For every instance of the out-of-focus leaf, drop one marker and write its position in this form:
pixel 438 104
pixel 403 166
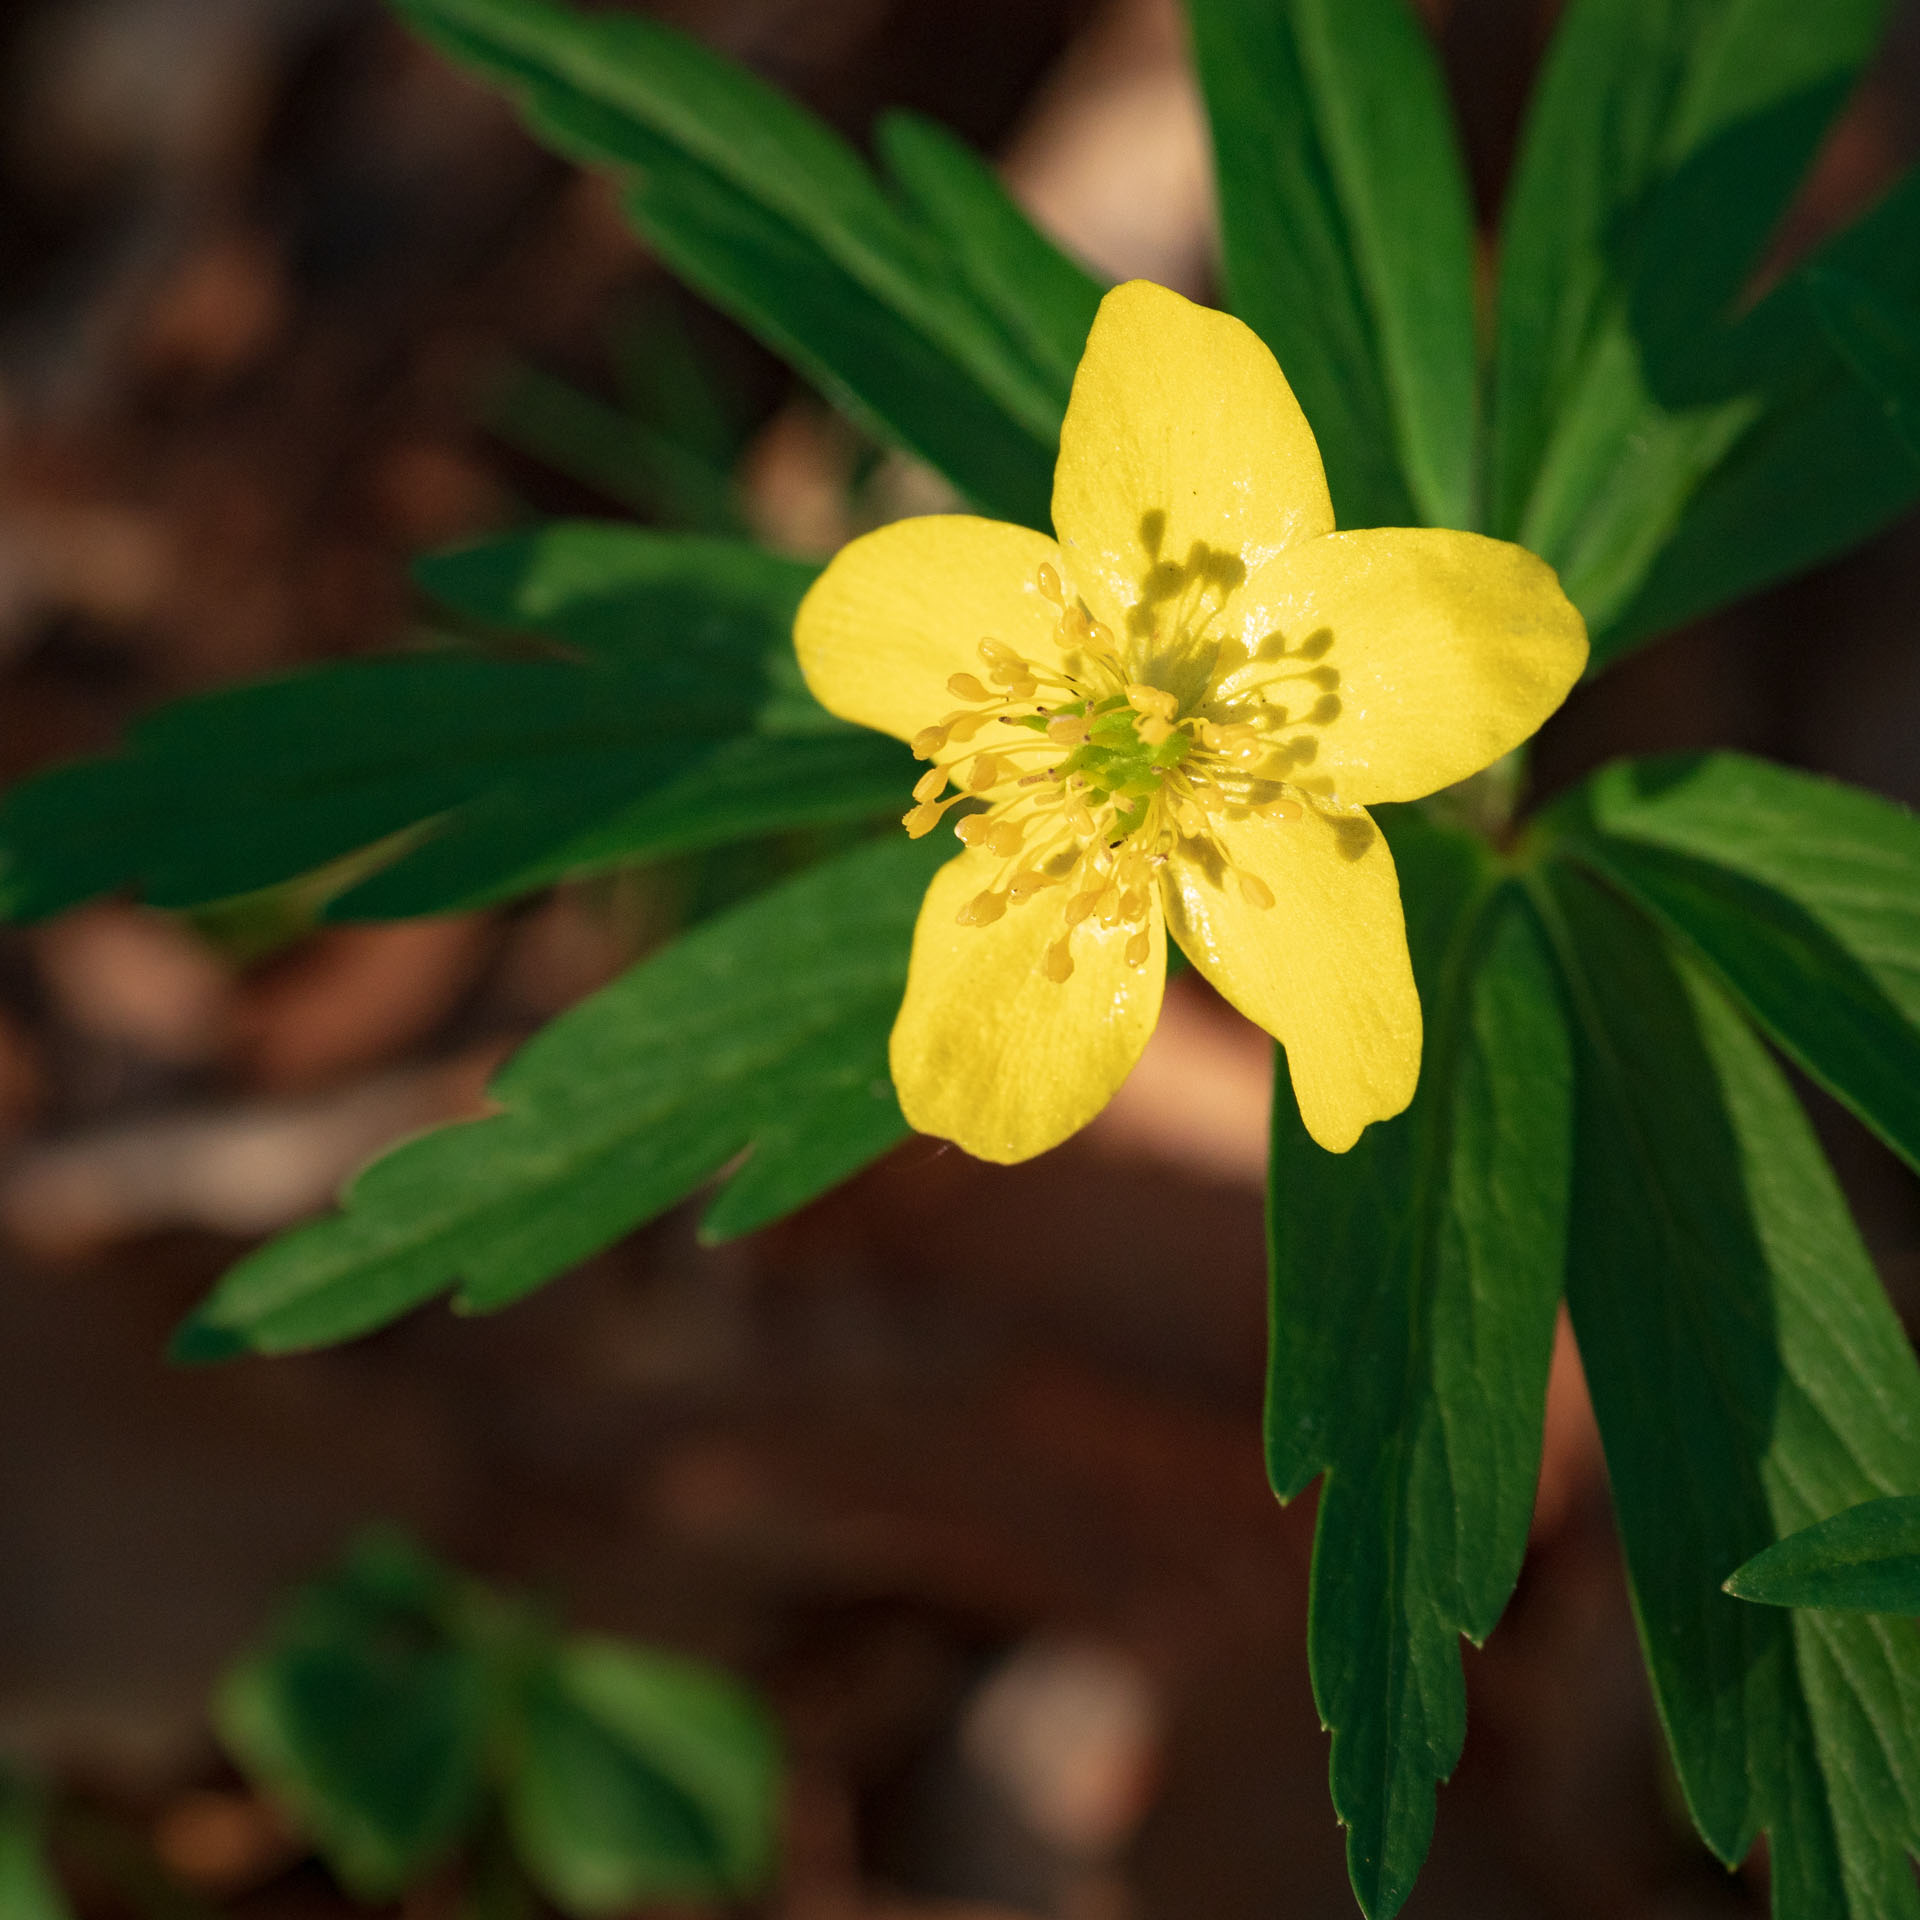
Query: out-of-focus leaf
pixel 1349 240
pixel 1878 336
pixel 1663 143
pixel 762 1032
pixel 1823 465
pixel 1865 1560
pixel 1801 894
pixel 768 213
pixel 366 1718
pixel 670 715
pixel 641 1778
pixel 1748 1377
pixel 1415 1282
pixel 28 1890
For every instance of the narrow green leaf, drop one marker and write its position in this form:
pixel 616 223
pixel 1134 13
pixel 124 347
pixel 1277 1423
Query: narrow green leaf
pixel 1434 1250
pixel 1801 894
pixel 1664 141
pixel 1823 465
pixel 28 1890
pixel 365 1718
pixel 641 1778
pixel 670 715
pixel 1865 1560
pixel 1749 1377
pixel 768 213
pixel 1045 300
pixel 763 1031
pixel 1349 240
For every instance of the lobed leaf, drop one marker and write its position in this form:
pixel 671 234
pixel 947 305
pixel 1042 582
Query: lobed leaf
pixel 1415 1282
pixel 1866 1559
pixel 762 1032
pixel 1348 239
pixel 769 214
pixel 1663 143
pixel 1748 1376
pixel 674 717
pixel 1802 895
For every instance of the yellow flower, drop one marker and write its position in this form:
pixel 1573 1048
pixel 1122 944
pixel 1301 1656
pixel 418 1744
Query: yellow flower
pixel 1175 716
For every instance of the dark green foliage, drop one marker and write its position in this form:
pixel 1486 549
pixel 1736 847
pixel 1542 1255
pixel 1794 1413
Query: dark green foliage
pixel 1803 895
pixel 1415 1283
pixel 667 715
pixel 28 1890
pixel 1349 242
pixel 765 1028
pixel 772 217
pixel 1749 1377
pixel 1865 1560
pixel 399 1711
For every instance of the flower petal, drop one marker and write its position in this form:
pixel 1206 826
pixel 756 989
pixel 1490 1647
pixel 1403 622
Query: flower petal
pixel 1181 430
pixel 1324 969
pixel 990 1053
pixel 1429 654
pixel 900 609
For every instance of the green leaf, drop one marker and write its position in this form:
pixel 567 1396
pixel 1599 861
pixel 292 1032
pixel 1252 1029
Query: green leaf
pixel 1801 894
pixel 1043 299
pixel 1864 1560
pixel 769 214
pixel 1664 141
pixel 1348 237
pixel 1822 467
pixel 1749 1377
pixel 1415 1283
pixel 673 718
pixel 365 1717
pixel 1878 336
pixel 28 1890
pixel 641 1778
pixel 763 1031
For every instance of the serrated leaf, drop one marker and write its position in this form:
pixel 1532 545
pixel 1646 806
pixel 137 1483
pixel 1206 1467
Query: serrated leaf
pixel 1749 1377
pixel 1348 240
pixel 671 716
pixel 763 1031
pixel 773 217
pixel 1664 141
pixel 1415 1283
pixel 1866 1560
pixel 365 1718
pixel 641 1778
pixel 1803 895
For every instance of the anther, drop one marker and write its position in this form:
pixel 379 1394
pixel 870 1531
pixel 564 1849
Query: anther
pixel 963 686
pixel 997 654
pixel 1048 581
pixel 1133 906
pixel 1255 891
pixel 1151 700
pixel 1069 729
pixel 1138 947
pixel 1080 906
pixel 1003 838
pixel 922 820
pixel 927 742
pixel 970 829
pixel 982 910
pixel 1058 965
pixel 986 770
pixel 930 784
pixel 1281 809
pixel 1026 883
pixel 965 725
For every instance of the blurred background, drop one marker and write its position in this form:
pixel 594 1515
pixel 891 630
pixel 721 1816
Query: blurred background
pixel 962 1466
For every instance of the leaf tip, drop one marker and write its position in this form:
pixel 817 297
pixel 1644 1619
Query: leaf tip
pixel 200 1342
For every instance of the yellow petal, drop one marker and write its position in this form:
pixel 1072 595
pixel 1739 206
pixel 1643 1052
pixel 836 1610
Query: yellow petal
pixel 1182 443
pixel 1425 654
pixel 990 1053
pixel 1324 969
pixel 900 609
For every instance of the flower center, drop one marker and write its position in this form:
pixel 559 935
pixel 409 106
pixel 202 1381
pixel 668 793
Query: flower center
pixel 1092 780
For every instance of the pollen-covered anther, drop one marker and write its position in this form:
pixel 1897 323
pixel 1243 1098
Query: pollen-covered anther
pixel 922 820
pixel 931 784
pixel 927 742
pixel 986 772
pixel 963 686
pixel 982 910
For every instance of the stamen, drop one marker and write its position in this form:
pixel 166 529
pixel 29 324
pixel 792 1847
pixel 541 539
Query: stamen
pixel 1026 883
pixel 1138 947
pixel 986 773
pixel 1133 906
pixel 1070 729
pixel 923 819
pixel 982 910
pixel 930 784
pixel 927 742
pixel 1048 581
pixel 1003 838
pixel 1080 906
pixel 1254 890
pixel 1058 965
pixel 963 686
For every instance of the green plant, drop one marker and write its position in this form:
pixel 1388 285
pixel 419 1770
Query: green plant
pixel 1601 1113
